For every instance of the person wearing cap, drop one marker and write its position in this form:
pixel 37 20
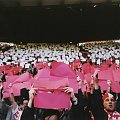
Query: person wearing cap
pixel 103 107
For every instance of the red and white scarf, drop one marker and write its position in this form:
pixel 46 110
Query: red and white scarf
pixel 114 116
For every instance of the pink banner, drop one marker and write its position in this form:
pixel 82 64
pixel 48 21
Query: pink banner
pixel 86 68
pixel 18 86
pixel 6 94
pixel 6 71
pixel 115 87
pixel 6 85
pixel 105 75
pixel 48 84
pixel 116 75
pixel 61 69
pixel 2 68
pixel 10 74
pixel 93 67
pixel 7 67
pixel 6 89
pixel 55 83
pixel 73 84
pixel 43 73
pixel 103 85
pixel 88 77
pixel 54 78
pixel 104 66
pixel 15 88
pixel 52 100
pixel 113 66
pixel 11 79
pixel 23 78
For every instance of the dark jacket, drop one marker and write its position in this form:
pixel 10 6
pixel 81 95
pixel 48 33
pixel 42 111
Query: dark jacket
pixel 81 110
pixel 97 106
pixel 4 111
pixel 118 103
pixel 28 114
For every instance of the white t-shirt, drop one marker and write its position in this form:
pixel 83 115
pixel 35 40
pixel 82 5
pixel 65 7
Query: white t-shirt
pixel 17 113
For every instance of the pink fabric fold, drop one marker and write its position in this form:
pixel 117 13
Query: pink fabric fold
pixel 43 73
pixel 61 69
pixel 23 78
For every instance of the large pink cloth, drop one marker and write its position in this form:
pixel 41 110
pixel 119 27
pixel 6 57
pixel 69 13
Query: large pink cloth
pixel 104 66
pixel 61 69
pixel 115 86
pixel 52 100
pixel 116 75
pixel 50 90
pixel 23 78
pixel 103 85
pixel 86 68
pixel 88 77
pixel 43 73
pixel 15 88
pixel 105 75
pixel 46 84
pixel 73 84
pixel 12 78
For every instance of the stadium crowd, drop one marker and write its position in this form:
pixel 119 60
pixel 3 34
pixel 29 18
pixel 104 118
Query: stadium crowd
pixel 60 81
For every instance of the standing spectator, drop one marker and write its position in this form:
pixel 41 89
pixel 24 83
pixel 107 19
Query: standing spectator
pixel 104 107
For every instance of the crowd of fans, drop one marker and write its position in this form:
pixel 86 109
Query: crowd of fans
pixel 89 74
pixel 66 53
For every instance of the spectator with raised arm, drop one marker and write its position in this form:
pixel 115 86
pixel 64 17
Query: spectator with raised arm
pixel 80 107
pixel 103 107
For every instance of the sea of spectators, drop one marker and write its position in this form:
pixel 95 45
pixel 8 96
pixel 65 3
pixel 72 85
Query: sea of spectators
pixel 90 87
pixel 96 52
